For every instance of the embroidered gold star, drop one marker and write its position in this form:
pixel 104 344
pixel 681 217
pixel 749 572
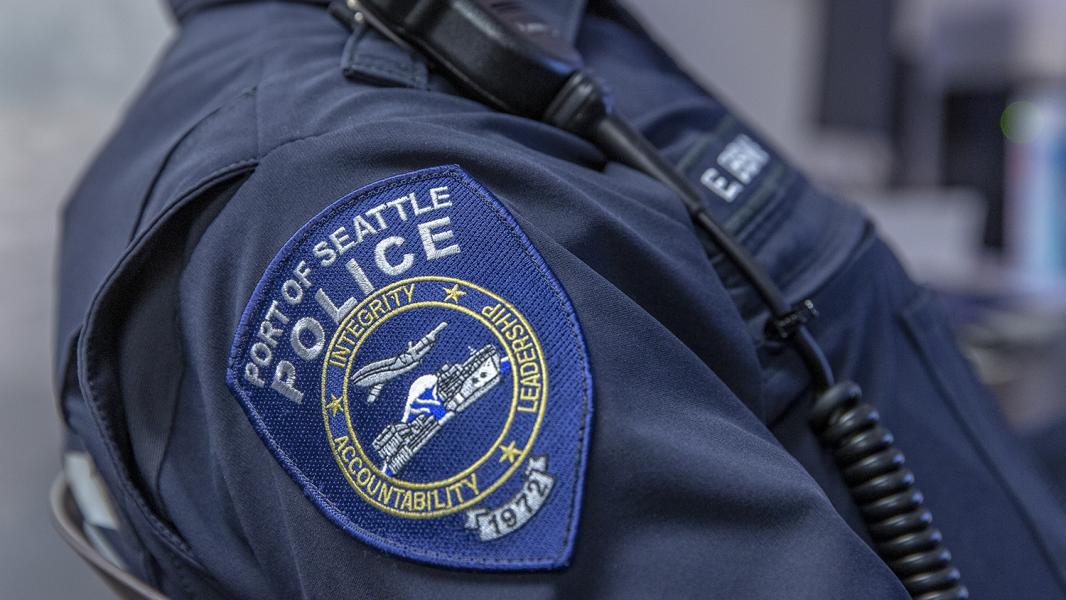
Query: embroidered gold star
pixel 509 452
pixel 335 405
pixel 453 293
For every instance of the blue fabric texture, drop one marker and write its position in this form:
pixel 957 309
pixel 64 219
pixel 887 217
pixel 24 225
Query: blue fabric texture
pixel 414 365
pixel 702 477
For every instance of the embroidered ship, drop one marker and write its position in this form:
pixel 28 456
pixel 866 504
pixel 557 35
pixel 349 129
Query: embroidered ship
pixel 433 401
pixel 461 385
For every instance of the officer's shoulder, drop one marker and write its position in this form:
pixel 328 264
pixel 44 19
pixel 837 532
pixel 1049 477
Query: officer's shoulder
pixel 320 136
pixel 233 106
pixel 324 126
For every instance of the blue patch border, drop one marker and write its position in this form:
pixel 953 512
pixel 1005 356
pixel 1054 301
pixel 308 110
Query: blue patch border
pixel 311 491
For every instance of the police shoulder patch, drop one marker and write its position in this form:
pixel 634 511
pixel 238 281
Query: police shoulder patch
pixel 414 365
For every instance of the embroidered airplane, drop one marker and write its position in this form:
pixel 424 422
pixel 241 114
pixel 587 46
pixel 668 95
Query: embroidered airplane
pixel 376 374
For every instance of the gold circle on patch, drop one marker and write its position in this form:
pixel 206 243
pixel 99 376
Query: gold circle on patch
pixel 378 480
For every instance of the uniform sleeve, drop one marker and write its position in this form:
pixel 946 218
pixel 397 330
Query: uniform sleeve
pixel 685 490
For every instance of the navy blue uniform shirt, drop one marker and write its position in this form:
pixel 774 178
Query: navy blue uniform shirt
pixel 701 477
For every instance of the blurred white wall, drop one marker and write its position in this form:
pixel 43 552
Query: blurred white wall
pixel 763 57
pixel 760 56
pixel 66 69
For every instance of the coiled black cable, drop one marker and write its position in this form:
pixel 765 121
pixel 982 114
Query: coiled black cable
pixel 883 488
pixel 872 467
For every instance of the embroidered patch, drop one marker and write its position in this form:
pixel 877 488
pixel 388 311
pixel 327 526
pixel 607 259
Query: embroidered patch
pixel 413 364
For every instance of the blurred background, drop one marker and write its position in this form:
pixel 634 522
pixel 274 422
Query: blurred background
pixel 945 119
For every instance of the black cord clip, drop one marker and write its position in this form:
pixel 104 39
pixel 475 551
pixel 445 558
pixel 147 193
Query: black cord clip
pixel 785 326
